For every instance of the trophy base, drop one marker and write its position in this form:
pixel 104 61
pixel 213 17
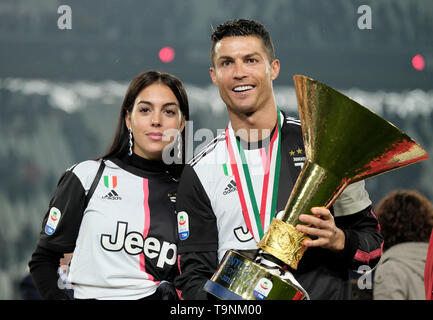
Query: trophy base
pixel 239 278
pixel 221 292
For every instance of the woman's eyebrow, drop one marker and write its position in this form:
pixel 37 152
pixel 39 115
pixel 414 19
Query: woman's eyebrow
pixel 167 104
pixel 145 102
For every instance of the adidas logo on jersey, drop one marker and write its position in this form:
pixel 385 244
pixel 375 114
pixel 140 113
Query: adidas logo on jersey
pixel 112 195
pixel 230 187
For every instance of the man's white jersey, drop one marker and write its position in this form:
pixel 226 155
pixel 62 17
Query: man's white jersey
pixel 212 193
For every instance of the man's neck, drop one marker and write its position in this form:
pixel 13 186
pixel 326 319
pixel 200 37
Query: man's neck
pixel 255 126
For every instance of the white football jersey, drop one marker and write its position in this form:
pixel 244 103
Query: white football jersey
pixel 124 243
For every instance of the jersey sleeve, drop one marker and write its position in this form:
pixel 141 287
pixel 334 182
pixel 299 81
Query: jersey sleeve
pixel 195 268
pixel 193 203
pixel 197 259
pixel 353 199
pixel 63 218
pixel 363 244
pixel 355 217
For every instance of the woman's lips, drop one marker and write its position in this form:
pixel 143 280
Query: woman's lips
pixel 155 135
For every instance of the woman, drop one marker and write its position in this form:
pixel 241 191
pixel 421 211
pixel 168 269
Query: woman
pixel 124 237
pixel 406 220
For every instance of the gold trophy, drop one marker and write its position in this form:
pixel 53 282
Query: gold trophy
pixel 344 143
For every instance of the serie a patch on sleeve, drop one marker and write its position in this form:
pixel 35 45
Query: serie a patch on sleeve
pixel 183 225
pixel 53 221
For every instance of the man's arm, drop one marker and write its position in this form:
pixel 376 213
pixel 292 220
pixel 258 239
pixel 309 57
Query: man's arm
pixel 355 239
pixel 197 258
pixel 364 241
pixel 354 236
pixel 195 269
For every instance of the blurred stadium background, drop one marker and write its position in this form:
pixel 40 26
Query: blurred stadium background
pixel 60 90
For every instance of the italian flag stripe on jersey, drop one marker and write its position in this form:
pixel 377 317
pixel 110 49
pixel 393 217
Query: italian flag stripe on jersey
pixel 227 169
pixel 110 181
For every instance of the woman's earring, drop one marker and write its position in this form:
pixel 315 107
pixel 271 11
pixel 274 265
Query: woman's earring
pixel 130 142
pixel 179 146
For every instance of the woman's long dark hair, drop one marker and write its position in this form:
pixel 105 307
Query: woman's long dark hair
pixel 119 146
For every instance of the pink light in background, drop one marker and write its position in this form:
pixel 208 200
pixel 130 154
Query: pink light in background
pixel 418 62
pixel 166 54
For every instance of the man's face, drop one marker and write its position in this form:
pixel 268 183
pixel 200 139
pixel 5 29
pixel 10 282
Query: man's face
pixel 244 74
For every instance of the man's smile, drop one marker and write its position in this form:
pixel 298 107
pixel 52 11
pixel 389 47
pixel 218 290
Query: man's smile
pixel 242 88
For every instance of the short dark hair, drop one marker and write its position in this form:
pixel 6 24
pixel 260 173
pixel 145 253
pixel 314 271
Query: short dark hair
pixel 243 28
pixel 119 146
pixel 404 216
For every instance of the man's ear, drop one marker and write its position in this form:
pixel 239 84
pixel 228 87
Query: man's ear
pixel 275 69
pixel 212 73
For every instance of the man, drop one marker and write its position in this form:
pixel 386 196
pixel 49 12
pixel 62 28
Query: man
pixel 218 199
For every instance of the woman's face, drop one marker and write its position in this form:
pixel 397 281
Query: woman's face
pixel 154 120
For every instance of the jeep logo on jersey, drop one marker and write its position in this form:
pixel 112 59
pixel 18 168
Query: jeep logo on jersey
pixel 110 182
pixel 134 243
pixel 243 235
pixel 52 221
